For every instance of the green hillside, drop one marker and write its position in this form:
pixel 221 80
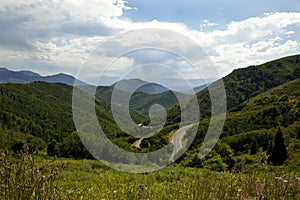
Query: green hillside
pixel 243 84
pixel 261 99
pixel 249 132
pixel 38 107
pixel 140 101
pixel 42 113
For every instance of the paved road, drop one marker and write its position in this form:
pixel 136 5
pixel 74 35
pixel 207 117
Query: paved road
pixel 177 140
pixel 138 143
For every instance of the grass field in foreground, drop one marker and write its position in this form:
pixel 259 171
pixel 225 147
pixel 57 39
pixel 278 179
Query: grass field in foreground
pixel 89 179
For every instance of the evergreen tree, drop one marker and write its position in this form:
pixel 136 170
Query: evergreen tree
pixel 279 153
pixel 298 134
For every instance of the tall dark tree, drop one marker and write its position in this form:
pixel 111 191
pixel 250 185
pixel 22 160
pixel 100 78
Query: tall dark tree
pixel 298 134
pixel 279 153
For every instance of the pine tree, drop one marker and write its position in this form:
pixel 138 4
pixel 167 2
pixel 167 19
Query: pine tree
pixel 279 153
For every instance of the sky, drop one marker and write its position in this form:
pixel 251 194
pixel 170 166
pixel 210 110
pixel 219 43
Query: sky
pixel 54 36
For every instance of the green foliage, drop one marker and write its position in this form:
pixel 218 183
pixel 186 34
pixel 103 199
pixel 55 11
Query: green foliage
pixel 37 108
pixel 243 84
pixel 255 122
pixel 18 141
pixel 279 153
pixel 88 180
pixel 71 146
pixel 216 163
pixel 39 113
pixel 220 158
pixel 23 178
pixel 159 140
pixel 192 159
pixel 140 102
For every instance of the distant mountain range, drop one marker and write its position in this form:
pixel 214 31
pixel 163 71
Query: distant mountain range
pixel 8 76
pixel 129 85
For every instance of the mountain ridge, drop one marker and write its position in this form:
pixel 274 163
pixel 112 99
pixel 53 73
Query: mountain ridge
pixel 138 85
pixel 26 76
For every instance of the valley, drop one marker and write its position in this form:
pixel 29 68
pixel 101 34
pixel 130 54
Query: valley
pixel 262 120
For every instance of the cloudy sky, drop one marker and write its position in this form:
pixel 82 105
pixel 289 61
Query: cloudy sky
pixel 53 36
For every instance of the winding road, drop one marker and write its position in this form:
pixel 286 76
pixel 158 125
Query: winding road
pixel 138 143
pixel 176 140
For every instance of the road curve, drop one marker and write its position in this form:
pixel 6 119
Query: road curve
pixel 176 140
pixel 138 143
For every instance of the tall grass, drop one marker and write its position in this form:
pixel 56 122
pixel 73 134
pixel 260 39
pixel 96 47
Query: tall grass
pixel 86 180
pixel 23 178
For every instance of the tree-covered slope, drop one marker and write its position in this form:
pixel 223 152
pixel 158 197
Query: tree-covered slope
pixel 46 106
pixel 243 84
pixel 260 100
pixel 249 133
pixel 44 111
pixel 140 101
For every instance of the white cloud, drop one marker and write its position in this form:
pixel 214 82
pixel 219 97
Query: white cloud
pixel 45 19
pixel 251 41
pixel 63 33
pixel 206 23
pixel 242 43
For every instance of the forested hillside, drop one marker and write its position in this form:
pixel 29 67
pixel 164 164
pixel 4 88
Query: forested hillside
pixel 140 101
pixel 263 118
pixel 263 102
pixel 242 84
pixel 248 136
pixel 43 112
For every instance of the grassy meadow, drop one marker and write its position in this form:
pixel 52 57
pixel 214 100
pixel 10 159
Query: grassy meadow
pixel 39 177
